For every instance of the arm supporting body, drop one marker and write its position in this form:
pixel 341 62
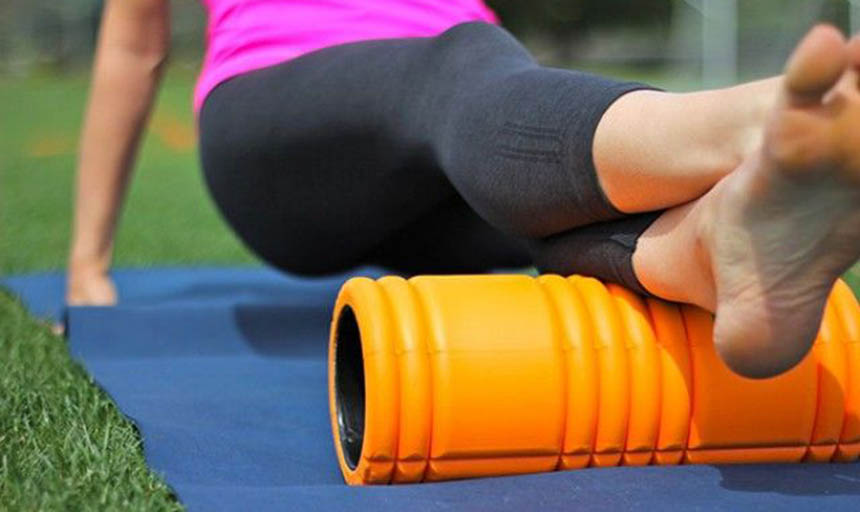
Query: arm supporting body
pixel 132 48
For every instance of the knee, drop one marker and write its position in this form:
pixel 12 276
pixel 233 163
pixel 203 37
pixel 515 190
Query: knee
pixel 475 43
pixel 472 32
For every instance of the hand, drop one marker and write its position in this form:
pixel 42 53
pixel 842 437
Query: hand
pixel 90 287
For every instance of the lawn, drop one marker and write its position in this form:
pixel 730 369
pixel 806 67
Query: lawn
pixel 63 444
pixel 39 121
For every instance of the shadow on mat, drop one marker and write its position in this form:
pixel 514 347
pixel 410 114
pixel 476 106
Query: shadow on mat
pixel 277 331
pixel 799 480
pixel 272 294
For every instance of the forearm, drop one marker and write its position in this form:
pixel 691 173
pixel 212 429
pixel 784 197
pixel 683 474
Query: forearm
pixel 126 73
pixel 121 96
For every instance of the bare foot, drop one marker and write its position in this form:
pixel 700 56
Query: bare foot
pixel 781 229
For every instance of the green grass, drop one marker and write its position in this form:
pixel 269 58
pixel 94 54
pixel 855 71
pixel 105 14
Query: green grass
pixel 63 444
pixel 39 121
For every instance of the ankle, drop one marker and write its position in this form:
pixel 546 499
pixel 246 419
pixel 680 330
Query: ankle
pixel 752 104
pixel 672 260
pixel 704 221
pixel 737 116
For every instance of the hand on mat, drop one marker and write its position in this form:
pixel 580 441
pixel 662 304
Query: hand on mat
pixel 87 287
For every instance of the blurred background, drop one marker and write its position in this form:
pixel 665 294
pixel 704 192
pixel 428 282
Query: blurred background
pixel 46 48
pixel 710 40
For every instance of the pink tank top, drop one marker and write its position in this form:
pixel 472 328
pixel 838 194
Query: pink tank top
pixel 244 35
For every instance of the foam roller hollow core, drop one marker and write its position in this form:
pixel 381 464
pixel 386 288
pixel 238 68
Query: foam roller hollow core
pixel 445 377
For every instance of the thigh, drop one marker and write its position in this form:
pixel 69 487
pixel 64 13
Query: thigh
pixel 451 239
pixel 318 161
pixel 303 167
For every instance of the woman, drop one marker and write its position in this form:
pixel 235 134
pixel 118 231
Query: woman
pixel 418 135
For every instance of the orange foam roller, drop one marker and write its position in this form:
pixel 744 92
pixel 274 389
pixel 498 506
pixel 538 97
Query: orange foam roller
pixel 444 377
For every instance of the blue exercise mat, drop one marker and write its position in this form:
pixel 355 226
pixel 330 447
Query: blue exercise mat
pixel 223 371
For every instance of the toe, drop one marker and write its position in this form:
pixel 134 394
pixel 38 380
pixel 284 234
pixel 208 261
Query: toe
pixel 816 65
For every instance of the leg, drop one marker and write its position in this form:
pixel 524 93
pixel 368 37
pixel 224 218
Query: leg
pixel 763 248
pixel 653 150
pixel 318 161
pixel 539 151
pixel 603 250
pixel 452 239
pixel 332 159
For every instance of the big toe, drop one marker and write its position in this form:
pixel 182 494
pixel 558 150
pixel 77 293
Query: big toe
pixel 817 64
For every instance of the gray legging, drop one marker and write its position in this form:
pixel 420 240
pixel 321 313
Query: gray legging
pixel 456 153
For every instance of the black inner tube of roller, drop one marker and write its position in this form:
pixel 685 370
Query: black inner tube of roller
pixel 349 386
